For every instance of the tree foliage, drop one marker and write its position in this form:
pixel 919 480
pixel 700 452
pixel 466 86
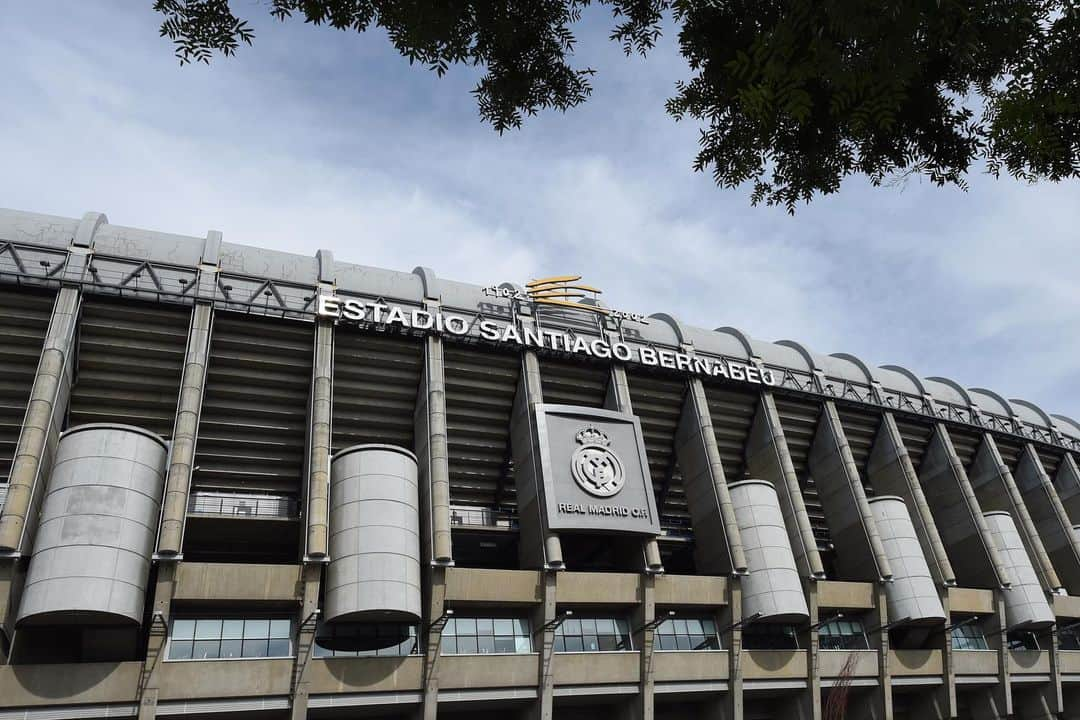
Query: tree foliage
pixel 792 95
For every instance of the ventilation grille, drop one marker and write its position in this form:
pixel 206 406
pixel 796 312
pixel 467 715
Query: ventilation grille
pixel 916 436
pixel 1051 460
pixel 799 418
pixel 1010 452
pixel 253 429
pixel 860 429
pixel 658 401
pixel 574 383
pixel 24 320
pixel 732 416
pixel 131 357
pixel 480 389
pixel 966 444
pixel 375 384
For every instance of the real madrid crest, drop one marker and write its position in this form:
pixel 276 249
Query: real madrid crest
pixel 595 466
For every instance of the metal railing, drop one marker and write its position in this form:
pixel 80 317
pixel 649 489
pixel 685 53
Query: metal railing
pixel 482 517
pixel 244 506
pixel 3 495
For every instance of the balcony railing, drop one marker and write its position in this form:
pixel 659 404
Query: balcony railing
pixel 243 506
pixel 482 517
pixel 3 495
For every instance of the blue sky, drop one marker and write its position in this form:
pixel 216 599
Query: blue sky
pixel 319 139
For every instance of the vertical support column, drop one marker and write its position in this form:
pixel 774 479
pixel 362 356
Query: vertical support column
pixel 319 429
pixel 618 398
pixel 963 527
pixel 733 707
pixel 1067 483
pixel 433 455
pixel 889 470
pixel 432 634
pixel 41 425
pixel 813 653
pixel 185 432
pixel 718 546
pixel 999 701
pixel 539 547
pixel 305 639
pixel 844 500
pixel 644 616
pixel 1050 518
pixel 157 634
pixel 544 642
pixel 997 490
pixel 768 458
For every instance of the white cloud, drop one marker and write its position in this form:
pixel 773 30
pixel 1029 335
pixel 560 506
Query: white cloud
pixel 319 139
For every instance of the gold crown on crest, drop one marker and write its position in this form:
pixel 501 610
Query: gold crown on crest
pixel 592 436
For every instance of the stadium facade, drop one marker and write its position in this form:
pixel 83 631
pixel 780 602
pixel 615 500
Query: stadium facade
pixel 248 484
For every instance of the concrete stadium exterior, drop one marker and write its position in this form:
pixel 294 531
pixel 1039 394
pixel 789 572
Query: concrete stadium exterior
pixel 243 483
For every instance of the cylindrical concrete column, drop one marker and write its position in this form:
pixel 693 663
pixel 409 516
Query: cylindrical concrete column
pixel 185 431
pixel 319 442
pixel 52 383
pixel 374 571
pixel 912 593
pixel 773 589
pixel 92 550
pixel 1026 606
pixel 438 452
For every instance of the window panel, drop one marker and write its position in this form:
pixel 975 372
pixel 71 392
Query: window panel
pixel 228 638
pixel 592 635
pixel 181 650
pixel 486 635
pixel 280 628
pixel 686 634
pixel 208 629
pixel 183 630
pixel 233 629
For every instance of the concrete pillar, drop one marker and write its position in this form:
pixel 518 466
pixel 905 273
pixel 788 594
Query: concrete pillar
pixel 319 430
pixel 538 546
pixel 959 515
pixel 890 471
pixel 41 425
pixel 1067 482
pixel 718 546
pixel 157 634
pixel 185 432
pixel 813 654
pixel 768 458
pixel 433 456
pixel 999 702
pixel 544 645
pixel 1051 520
pixel 618 398
pixel 996 489
pixel 644 614
pixel 733 706
pixel 433 646
pixel 862 555
pixel 307 623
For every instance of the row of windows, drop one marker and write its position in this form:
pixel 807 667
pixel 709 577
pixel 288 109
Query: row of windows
pixel 225 638
pixel 269 637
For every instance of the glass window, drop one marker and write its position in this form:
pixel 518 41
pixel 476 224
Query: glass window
pixel 769 636
pixel 1022 640
pixel 484 636
pixel 843 634
pixel 593 635
pixel 969 636
pixel 227 638
pixel 686 634
pixel 364 640
pixel 1069 639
